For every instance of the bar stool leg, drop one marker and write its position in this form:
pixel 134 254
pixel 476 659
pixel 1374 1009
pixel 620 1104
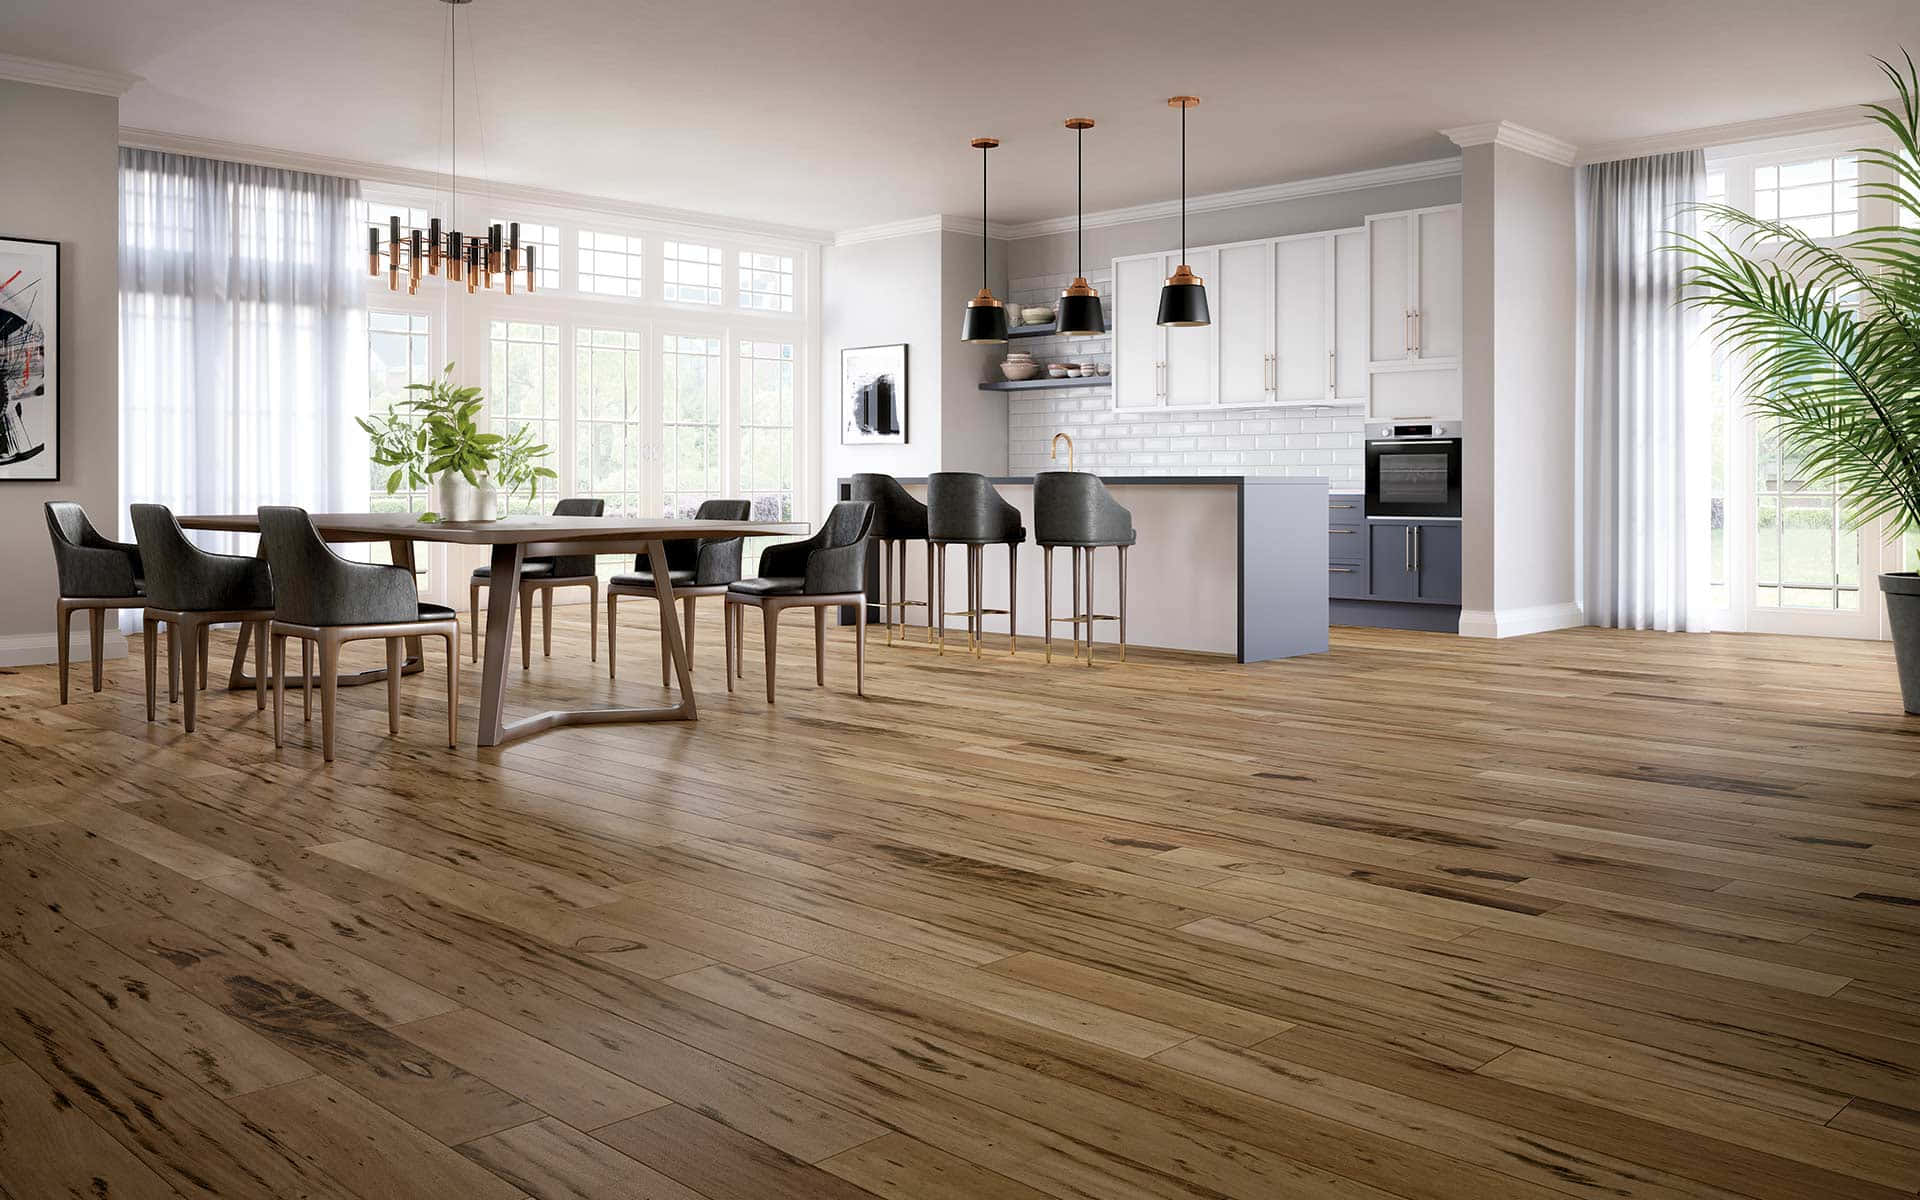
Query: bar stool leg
pixel 1046 599
pixel 1013 599
pixel 886 586
pixel 1090 608
pixel 938 593
pixel 1123 604
pixel 977 629
pixel 903 585
pixel 1076 603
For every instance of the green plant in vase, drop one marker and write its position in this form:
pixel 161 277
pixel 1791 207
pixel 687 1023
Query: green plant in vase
pixel 434 437
pixel 1827 334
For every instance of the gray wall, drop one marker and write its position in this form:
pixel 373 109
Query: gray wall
pixel 60 152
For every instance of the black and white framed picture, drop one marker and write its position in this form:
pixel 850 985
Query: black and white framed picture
pixel 873 395
pixel 29 359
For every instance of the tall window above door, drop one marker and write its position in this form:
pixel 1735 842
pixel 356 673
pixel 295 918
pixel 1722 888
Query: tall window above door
pixel 610 264
pixel 609 418
pixel 691 402
pixel 1818 196
pixel 766 282
pixel 397 355
pixel 765 472
pixel 690 272
pixel 523 387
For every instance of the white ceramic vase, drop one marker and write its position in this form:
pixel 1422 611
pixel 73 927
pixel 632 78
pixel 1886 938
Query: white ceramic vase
pixel 457 500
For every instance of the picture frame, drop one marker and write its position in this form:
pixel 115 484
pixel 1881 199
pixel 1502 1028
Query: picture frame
pixel 873 395
pixel 29 360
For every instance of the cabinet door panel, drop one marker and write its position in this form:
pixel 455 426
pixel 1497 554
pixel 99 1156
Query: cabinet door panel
pixel 1139 345
pixel 1437 557
pixel 1189 378
pixel 1301 270
pixel 1241 298
pixel 1391 556
pixel 1350 315
pixel 1437 332
pixel 1389 275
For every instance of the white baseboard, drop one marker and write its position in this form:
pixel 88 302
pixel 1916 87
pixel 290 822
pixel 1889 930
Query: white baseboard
pixel 1517 622
pixel 33 649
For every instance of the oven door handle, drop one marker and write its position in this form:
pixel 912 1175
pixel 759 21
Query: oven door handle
pixel 1414 442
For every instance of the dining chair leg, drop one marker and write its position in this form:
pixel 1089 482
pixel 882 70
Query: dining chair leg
pixel 96 634
pixel 1046 600
pixel 860 653
pixel 769 627
pixel 526 628
pixel 593 620
pixel 279 689
pixel 63 617
pixel 204 641
pixel 190 694
pixel 1123 604
pixel 613 629
pixel 727 619
pixel 329 693
pixel 1013 599
pixel 393 686
pixel 1090 608
pixel 546 622
pixel 261 633
pixel 666 659
pixel 740 640
pixel 473 615
pixel 453 688
pixel 149 636
pixel 306 681
pixel 688 607
pixel 820 644
pixel 173 662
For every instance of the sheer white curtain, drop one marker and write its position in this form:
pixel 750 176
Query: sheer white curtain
pixel 1645 462
pixel 239 311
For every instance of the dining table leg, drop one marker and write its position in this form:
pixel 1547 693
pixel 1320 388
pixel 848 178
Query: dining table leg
pixel 503 592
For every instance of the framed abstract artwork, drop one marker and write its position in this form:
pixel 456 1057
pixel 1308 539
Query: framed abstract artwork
pixel 29 359
pixel 873 395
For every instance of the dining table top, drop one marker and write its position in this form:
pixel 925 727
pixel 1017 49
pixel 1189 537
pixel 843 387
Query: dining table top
pixel 505 531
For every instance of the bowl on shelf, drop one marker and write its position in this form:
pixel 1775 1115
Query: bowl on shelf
pixel 1056 370
pixel 1019 366
pixel 1103 368
pixel 1036 315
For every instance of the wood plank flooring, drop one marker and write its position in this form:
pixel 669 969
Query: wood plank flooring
pixel 1583 914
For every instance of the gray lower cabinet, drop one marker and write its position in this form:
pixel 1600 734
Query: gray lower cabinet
pixel 1436 562
pixel 1390 555
pixel 1409 562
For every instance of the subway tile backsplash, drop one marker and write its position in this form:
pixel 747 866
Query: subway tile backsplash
pixel 1248 441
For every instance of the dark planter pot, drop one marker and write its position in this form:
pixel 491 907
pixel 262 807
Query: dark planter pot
pixel 1902 589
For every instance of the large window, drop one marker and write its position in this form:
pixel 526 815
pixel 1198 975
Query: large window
pixel 691 403
pixel 766 281
pixel 1818 196
pixel 691 273
pixel 523 386
pixel 765 474
pixel 610 264
pixel 609 418
pixel 545 240
pixel 398 346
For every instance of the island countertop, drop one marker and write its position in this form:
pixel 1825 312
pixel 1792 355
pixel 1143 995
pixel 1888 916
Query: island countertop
pixel 1223 564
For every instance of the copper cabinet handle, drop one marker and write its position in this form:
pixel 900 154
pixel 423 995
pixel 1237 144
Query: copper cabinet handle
pixel 1416 331
pixel 1330 383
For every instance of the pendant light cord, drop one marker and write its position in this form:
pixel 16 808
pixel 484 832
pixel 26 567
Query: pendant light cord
pixel 1183 183
pixel 1079 199
pixel 453 55
pixel 985 244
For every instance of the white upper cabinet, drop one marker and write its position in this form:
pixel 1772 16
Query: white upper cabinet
pixel 1139 345
pixel 1240 296
pixel 1414 278
pixel 1350 315
pixel 1192 373
pixel 1303 337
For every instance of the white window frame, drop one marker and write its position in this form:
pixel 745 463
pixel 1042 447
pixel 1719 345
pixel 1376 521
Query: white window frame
pixel 459 331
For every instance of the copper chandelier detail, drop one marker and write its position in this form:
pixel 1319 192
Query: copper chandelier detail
pixel 477 259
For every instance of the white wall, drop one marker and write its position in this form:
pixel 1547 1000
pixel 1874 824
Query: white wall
pixel 60 151
pixel 1520 537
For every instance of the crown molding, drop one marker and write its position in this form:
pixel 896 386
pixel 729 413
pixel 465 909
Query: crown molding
pixel 971 226
pixel 65 75
pixel 431 181
pixel 1514 137
pixel 1825 120
pixel 1323 185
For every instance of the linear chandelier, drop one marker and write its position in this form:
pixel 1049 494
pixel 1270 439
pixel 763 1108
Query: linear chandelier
pixel 476 259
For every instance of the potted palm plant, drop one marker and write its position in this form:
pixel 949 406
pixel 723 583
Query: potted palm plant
pixel 1827 334
pixel 434 437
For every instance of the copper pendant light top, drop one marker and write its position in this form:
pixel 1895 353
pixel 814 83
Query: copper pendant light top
pixel 1182 101
pixel 1078 313
pixel 984 143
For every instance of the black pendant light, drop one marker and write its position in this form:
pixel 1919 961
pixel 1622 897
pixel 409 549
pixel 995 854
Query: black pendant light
pixel 1183 301
pixel 1080 314
pixel 986 319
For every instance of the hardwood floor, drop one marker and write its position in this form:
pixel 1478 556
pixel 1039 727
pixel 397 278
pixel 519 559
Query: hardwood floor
pixel 1588 913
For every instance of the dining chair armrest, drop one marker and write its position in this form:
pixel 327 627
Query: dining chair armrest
pixel 355 593
pixel 719 561
pixel 233 581
pixel 108 570
pixel 841 569
pixel 788 558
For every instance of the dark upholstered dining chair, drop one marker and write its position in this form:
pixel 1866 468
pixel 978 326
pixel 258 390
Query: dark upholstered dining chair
pixel 542 575
pixel 1075 510
pixel 190 590
pixel 964 510
pixel 826 571
pixel 327 601
pixel 898 518
pixel 695 568
pixel 95 574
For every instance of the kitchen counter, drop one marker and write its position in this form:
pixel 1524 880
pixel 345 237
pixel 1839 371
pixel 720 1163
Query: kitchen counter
pixel 1224 564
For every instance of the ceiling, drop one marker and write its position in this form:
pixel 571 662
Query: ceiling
pixel 837 114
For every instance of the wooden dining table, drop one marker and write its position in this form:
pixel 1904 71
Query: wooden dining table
pixel 513 541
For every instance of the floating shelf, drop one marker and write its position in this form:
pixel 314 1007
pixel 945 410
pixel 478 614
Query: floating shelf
pixel 1037 385
pixel 1027 331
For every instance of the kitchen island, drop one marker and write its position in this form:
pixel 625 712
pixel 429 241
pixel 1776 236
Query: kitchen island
pixel 1224 564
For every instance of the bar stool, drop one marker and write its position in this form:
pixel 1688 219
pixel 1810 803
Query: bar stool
pixel 542 575
pixel 1076 511
pixel 898 518
pixel 964 510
